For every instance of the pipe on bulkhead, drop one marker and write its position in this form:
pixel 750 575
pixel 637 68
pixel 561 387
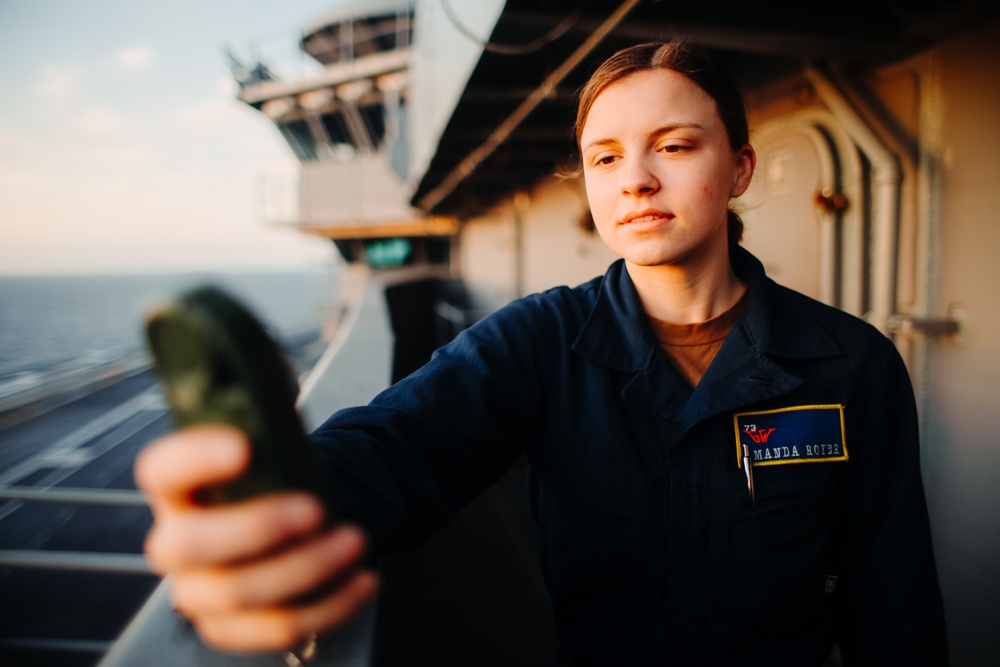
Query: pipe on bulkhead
pixel 886 182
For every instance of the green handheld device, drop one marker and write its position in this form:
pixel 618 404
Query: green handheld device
pixel 217 364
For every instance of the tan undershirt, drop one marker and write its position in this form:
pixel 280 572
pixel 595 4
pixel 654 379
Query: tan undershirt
pixel 691 347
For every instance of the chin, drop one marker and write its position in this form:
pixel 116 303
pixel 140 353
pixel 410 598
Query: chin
pixel 653 254
pixel 645 260
pixel 676 257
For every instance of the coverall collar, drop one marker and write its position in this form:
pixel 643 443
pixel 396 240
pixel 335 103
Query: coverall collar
pixel 774 330
pixel 618 335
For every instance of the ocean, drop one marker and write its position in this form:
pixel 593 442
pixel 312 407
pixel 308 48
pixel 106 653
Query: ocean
pixel 48 323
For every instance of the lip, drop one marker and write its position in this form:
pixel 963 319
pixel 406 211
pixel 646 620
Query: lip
pixel 649 216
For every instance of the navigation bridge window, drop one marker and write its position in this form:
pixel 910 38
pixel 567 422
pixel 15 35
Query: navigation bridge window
pixel 356 105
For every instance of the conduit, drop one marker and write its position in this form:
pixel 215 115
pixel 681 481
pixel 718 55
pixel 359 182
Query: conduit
pixel 500 134
pixel 886 183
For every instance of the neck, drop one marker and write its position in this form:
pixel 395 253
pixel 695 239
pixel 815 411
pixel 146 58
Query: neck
pixel 685 294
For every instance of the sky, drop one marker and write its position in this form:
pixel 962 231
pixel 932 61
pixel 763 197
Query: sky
pixel 123 148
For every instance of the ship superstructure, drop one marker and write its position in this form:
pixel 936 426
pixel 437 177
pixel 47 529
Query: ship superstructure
pixel 346 125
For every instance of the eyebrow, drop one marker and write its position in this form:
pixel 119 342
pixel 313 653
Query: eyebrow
pixel 655 133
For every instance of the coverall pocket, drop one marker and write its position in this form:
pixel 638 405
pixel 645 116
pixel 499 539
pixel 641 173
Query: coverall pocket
pixel 781 544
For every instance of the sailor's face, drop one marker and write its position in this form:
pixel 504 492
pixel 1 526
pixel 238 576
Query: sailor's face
pixel 659 169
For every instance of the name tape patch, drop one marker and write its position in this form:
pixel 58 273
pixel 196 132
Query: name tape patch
pixel 802 434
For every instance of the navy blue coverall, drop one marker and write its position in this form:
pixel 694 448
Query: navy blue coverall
pixel 652 548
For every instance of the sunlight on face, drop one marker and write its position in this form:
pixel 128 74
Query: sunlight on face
pixel 659 170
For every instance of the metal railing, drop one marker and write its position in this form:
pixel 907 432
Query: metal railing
pixel 74 560
pixel 115 497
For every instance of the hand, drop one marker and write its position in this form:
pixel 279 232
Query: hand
pixel 260 574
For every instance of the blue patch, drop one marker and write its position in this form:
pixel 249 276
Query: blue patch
pixel 803 434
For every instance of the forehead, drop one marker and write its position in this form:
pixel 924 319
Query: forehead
pixel 646 101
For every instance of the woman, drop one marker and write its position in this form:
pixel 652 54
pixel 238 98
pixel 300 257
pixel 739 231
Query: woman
pixel 723 471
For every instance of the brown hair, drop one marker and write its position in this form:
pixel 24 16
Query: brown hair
pixel 697 66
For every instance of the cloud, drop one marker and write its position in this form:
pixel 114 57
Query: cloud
pixel 16 182
pixel 9 141
pixel 35 160
pixel 100 121
pixel 129 155
pixel 226 85
pixel 204 115
pixel 220 114
pixel 58 83
pixel 136 57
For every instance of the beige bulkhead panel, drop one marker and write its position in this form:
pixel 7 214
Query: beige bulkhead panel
pixel 802 211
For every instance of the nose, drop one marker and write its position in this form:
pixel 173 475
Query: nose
pixel 638 179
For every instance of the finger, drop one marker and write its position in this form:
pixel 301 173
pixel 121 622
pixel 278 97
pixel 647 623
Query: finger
pixel 173 467
pixel 272 581
pixel 284 627
pixel 231 533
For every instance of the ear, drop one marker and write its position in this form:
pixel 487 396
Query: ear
pixel 746 162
